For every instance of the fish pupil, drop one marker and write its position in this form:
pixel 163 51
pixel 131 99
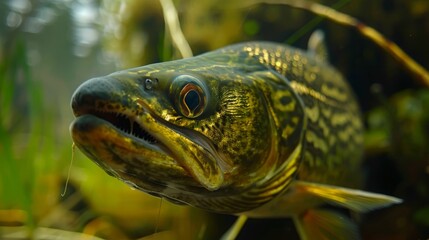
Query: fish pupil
pixel 192 100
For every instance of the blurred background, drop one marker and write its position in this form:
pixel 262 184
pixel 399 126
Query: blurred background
pixel 48 48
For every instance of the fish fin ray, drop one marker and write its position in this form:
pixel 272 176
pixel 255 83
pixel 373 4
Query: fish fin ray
pixel 317 46
pixel 356 200
pixel 325 225
pixel 235 229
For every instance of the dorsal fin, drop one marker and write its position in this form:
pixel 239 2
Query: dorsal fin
pixel 317 46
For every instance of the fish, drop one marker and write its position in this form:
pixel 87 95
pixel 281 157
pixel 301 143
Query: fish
pixel 255 129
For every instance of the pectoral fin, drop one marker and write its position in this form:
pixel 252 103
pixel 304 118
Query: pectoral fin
pixel 325 225
pixel 356 200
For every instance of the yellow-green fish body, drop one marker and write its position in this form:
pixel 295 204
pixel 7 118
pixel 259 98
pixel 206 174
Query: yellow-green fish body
pixel 256 128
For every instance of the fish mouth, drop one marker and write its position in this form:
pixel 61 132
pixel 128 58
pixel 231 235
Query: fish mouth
pixel 118 142
pixel 123 123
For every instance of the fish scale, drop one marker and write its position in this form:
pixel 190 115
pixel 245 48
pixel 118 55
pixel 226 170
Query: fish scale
pixel 321 87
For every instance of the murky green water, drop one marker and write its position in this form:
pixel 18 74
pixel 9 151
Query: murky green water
pixel 49 47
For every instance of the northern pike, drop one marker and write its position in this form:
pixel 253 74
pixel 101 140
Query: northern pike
pixel 258 128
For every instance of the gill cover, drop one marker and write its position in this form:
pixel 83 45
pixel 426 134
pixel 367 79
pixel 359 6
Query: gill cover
pixel 192 150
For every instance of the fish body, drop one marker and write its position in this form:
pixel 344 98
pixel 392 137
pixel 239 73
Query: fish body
pixel 256 128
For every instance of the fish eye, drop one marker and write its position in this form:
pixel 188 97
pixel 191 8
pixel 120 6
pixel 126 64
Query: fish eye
pixel 191 99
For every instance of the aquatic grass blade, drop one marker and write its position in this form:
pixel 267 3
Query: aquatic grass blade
pixel 17 169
